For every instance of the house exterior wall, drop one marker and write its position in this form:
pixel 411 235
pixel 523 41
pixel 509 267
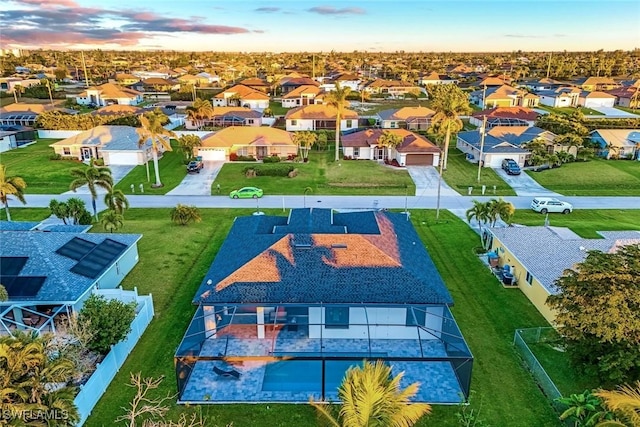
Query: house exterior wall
pixel 123 157
pixel 116 273
pixel 597 102
pixel 73 151
pixel 255 104
pixel 490 160
pixel 7 143
pixel 310 124
pixel 364 153
pixel 503 102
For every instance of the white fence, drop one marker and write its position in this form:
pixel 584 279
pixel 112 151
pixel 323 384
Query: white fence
pixel 57 134
pixel 95 387
pixel 268 121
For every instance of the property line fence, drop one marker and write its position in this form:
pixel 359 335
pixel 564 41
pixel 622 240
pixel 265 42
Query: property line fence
pixel 94 388
pixel 534 336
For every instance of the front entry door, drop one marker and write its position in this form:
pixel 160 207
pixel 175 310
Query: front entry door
pixel 261 152
pixel 86 153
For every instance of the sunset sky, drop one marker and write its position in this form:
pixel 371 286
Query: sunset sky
pixel 460 26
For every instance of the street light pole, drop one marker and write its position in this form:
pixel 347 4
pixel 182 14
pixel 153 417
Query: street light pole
pixel 482 133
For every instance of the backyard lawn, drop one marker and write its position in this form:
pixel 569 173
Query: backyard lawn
pixel 172 171
pixel 585 222
pixel 174 259
pixel 598 177
pixel 461 174
pixel 42 175
pixel 24 214
pixel 569 110
pixel 277 109
pixel 323 176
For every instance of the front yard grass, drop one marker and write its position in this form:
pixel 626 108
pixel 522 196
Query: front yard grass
pixel 598 177
pixel 323 176
pixel 24 214
pixel 277 109
pixel 585 222
pixel 42 175
pixel 174 259
pixel 172 171
pixel 461 174
pixel 567 111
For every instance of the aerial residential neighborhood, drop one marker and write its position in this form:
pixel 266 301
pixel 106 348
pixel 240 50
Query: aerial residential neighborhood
pixel 304 214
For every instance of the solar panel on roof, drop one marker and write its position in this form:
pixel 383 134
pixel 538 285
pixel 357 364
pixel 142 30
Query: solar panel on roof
pixel 76 248
pixel 96 261
pixel 12 265
pixel 22 286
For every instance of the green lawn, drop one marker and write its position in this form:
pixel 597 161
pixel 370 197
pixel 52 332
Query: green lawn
pixel 598 177
pixel 487 314
pixel 585 222
pixel 277 109
pixel 569 110
pixel 172 171
pixel 42 175
pixel 24 214
pixel 374 105
pixel 630 110
pixel 324 176
pixel 461 175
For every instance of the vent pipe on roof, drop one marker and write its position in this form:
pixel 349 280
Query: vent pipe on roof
pixel 339 246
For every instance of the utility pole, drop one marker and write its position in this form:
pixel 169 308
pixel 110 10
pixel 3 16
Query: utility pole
pixel 441 162
pixel 482 133
pixel 484 95
pixel 50 95
pixel 84 66
pixel 549 65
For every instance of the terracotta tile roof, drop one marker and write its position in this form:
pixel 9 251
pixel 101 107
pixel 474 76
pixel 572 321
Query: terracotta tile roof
pixel 502 92
pixel 492 81
pixel 244 92
pixel 623 92
pixel 389 83
pixel 125 76
pixel 411 142
pixel 304 89
pixel 158 81
pixel 117 109
pixel 346 76
pixel 508 112
pixel 248 135
pixel 596 94
pixel 35 108
pixel 298 81
pixel 110 90
pixel 407 113
pixel 599 81
pixel 318 112
pixel 253 82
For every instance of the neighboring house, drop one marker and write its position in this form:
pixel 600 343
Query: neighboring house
pixel 291 302
pixel 156 84
pixel 592 84
pixel 242 96
pixel 143 74
pixel 8 84
pixel 628 97
pixel 542 84
pixel 492 81
pixel 258 142
pixel 560 97
pixel 230 116
pixel 319 116
pixel 537 256
pixel 124 79
pixel 596 99
pixel 208 78
pixel 256 84
pixel 15 136
pixel 117 145
pixel 349 80
pixel 504 96
pixel 412 118
pixel 436 79
pixel 49 271
pixel 23 114
pixel 108 94
pixel 118 110
pixel 288 84
pixel 460 69
pixel 393 88
pixel 505 116
pixel 617 143
pixel 302 95
pixel 192 80
pixel 415 150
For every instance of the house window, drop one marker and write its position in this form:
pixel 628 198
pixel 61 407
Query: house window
pixel 529 278
pixel 349 123
pixel 356 152
pixel 393 125
pixel 336 318
pixel 250 121
pixel 415 317
pixel 294 123
pixel 242 151
pixel 66 151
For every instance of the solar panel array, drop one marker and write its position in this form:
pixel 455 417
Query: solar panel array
pixel 76 248
pixel 98 259
pixel 12 265
pixel 18 286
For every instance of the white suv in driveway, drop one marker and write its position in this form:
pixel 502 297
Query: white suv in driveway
pixel 548 204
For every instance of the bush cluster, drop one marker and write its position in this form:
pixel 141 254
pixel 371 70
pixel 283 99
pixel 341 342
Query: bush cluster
pixel 235 158
pixel 270 170
pixel 271 159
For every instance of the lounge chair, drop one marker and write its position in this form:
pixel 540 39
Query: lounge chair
pixel 232 373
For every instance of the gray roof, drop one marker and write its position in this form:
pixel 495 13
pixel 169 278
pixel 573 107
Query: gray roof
pixel 61 285
pixel 109 138
pixel 546 252
pixel 491 143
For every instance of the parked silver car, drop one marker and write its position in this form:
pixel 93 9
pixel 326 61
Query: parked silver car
pixel 548 204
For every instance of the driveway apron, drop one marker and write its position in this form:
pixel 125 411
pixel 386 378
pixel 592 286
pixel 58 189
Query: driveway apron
pixel 524 185
pixel 198 184
pixel 426 180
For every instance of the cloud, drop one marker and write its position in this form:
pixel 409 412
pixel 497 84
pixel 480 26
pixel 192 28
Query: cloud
pixel 47 4
pixel 267 9
pixel 328 10
pixel 560 35
pixel 521 36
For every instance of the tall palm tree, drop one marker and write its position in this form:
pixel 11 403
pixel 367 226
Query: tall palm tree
pixel 500 208
pixel 116 200
pixel 338 100
pixel 625 402
pixel 371 397
pixel 93 177
pixel 11 186
pixel 199 111
pixel 389 140
pixel 112 221
pixel 479 211
pixel 304 141
pixel 153 130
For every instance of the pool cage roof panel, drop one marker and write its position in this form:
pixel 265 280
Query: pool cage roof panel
pixel 506 121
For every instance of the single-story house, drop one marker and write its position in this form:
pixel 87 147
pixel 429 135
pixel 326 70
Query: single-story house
pixel 393 88
pixel 542 84
pixel 628 97
pixel 50 271
pixel 435 79
pixel 8 84
pixel 258 142
pixel 494 81
pixel 319 116
pixel 592 84
pixel 505 116
pixel 117 145
pixel 503 96
pixel 412 118
pixel 192 80
pixel 560 97
pixel 107 94
pixel 596 99
pixel 349 80
pixel 26 114
pixel 242 96
pixel 156 84
pixel 414 150
pixel 124 79
pixel 256 84
pixel 537 256
pixel 287 84
pixel 291 302
pixel 230 116
pixel 302 95
pixel 617 143
pixel 15 136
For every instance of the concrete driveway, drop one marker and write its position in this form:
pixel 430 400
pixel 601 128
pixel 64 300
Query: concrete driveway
pixel 524 185
pixel 198 184
pixel 613 113
pixel 426 180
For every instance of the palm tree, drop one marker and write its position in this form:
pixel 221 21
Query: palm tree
pixel 10 186
pixel 112 221
pixel 305 140
pixel 116 200
pixel 338 100
pixel 199 111
pixel 584 409
pixel 187 143
pixel 371 397
pixel 389 140
pixel 93 177
pixel 153 130
pixel 183 214
pixel 625 402
pixel 500 208
pixel 479 211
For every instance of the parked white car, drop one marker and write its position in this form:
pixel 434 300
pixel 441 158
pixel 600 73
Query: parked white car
pixel 547 204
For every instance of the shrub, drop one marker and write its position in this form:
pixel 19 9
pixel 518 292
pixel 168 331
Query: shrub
pixel 246 159
pixel 4 295
pixel 98 162
pixel 183 214
pixel 55 156
pixel 109 320
pixel 233 157
pixel 270 170
pixel 271 159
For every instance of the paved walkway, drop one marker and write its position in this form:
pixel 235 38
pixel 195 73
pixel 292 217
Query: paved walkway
pixel 198 184
pixel 524 185
pixel 426 180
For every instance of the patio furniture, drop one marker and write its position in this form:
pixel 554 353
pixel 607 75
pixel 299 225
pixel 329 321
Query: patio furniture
pixel 232 373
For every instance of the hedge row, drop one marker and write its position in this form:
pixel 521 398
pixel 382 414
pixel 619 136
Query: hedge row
pixel 277 169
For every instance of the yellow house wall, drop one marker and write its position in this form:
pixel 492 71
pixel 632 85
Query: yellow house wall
pixel 75 151
pixel 535 292
pixel 500 102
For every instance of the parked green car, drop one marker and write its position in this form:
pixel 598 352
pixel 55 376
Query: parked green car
pixel 246 193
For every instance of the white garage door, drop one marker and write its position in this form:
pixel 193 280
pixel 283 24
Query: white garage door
pixel 591 103
pixel 495 160
pixel 212 154
pixel 123 158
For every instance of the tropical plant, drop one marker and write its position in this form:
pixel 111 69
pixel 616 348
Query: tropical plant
pixel 304 140
pixel 199 112
pixel 4 295
pixel 187 143
pixel 480 212
pixel 93 177
pixel 501 209
pixel 183 214
pixel 152 130
pixel 583 409
pixel 372 397
pixel 321 144
pixel 338 99
pixel 109 321
pixel 73 211
pixel 389 139
pixel 112 221
pixel 11 186
pixel 116 200
pixel 625 404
